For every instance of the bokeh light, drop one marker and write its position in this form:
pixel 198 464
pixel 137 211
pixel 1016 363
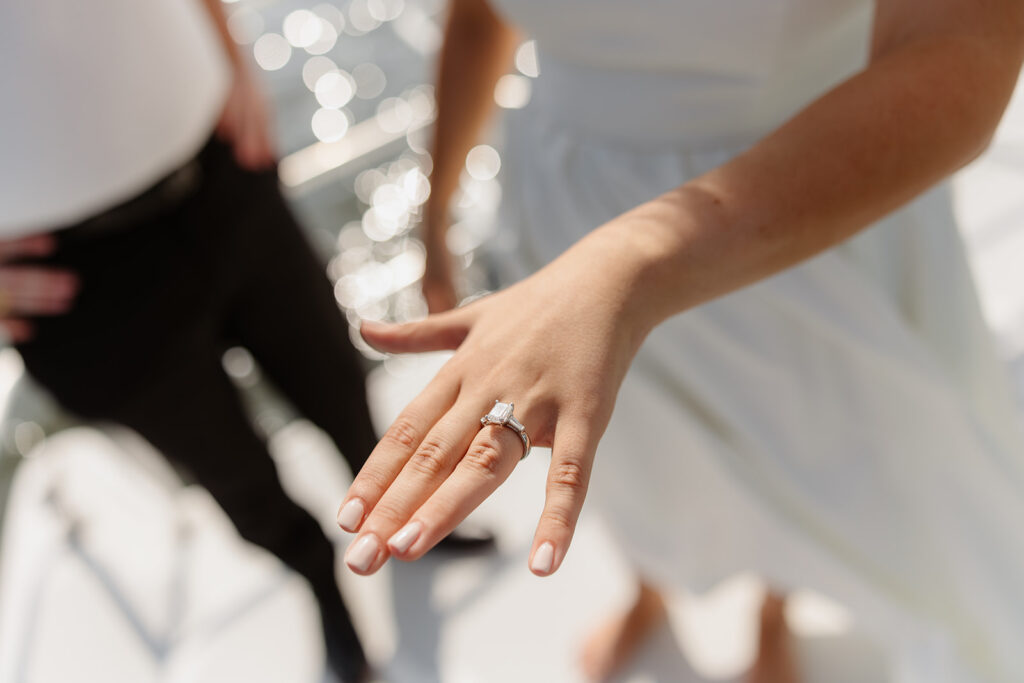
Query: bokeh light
pixel 512 91
pixel 376 259
pixel 314 68
pixel 483 162
pixel 385 10
pixel 526 59
pixel 331 14
pixel 394 114
pixel 302 28
pixel 327 40
pixel 329 125
pixel 360 18
pixel 271 51
pixel 334 89
pixel 370 80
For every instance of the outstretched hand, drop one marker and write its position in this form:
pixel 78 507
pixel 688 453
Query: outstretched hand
pixel 557 345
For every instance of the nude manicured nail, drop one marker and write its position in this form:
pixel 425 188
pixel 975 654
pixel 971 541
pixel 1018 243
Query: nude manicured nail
pixel 543 559
pixel 406 536
pixel 361 554
pixel 351 514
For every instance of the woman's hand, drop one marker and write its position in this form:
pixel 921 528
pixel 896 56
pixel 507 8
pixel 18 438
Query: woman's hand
pixel 557 345
pixel 28 291
pixel 245 122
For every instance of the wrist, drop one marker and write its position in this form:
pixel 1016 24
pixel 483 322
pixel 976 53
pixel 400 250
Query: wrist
pixel 651 256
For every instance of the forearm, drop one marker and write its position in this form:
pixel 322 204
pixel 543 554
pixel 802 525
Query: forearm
pixel 216 12
pixel 477 50
pixel 854 155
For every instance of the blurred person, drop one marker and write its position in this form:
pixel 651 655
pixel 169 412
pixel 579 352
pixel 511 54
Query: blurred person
pixel 744 205
pixel 143 233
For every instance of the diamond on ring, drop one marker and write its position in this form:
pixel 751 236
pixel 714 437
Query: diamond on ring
pixel 501 415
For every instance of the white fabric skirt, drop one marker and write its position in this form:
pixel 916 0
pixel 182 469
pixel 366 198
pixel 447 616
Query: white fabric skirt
pixel 843 426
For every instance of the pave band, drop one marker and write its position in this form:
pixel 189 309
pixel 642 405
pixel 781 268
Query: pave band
pixel 501 415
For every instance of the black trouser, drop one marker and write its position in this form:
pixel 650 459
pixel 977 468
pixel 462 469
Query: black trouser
pixel 159 303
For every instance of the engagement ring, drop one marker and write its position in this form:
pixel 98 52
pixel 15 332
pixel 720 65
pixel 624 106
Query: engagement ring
pixel 501 414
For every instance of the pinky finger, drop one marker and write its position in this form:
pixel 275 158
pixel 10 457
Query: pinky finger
pixel 572 457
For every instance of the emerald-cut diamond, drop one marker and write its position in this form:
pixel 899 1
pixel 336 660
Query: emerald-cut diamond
pixel 501 412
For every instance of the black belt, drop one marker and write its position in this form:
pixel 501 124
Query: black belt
pixel 166 194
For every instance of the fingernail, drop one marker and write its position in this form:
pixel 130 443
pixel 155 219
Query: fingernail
pixel 351 514
pixel 543 559
pixel 361 554
pixel 404 539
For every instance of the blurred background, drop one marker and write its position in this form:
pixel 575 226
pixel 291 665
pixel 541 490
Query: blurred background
pixel 115 569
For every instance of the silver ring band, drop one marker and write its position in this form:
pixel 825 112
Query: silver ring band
pixel 501 415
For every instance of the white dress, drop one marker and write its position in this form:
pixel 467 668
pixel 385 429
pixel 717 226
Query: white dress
pixel 843 426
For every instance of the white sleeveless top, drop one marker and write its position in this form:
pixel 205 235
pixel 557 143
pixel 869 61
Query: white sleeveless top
pixel 843 426
pixel 98 100
pixel 695 73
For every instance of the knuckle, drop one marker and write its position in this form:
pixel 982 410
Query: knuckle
pixel 543 433
pixel 557 518
pixel 402 433
pixel 484 457
pixel 451 371
pixel 568 475
pixel 385 515
pixel 431 458
pixel 369 484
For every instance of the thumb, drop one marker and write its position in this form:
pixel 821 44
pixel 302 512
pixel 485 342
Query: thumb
pixel 436 333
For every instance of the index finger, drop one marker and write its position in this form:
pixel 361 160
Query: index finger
pixel 395 448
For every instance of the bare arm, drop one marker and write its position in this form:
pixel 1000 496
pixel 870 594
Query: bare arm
pixel 477 50
pixel 559 342
pixel 245 122
pixel 215 9
pixel 940 75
